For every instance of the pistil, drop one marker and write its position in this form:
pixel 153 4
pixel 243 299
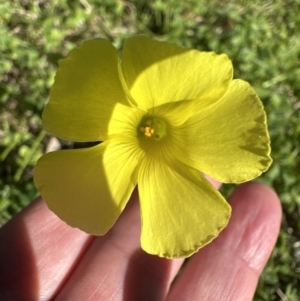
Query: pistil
pixel 152 128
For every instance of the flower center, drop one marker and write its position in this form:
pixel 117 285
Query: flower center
pixel 152 128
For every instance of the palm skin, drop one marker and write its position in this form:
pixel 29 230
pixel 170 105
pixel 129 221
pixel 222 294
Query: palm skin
pixel 42 258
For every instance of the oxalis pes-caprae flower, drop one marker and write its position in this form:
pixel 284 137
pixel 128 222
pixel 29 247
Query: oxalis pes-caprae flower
pixel 166 115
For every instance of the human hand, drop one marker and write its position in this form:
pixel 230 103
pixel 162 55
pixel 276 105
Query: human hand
pixel 42 258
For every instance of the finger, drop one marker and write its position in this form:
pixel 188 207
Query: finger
pixel 37 252
pixel 115 267
pixel 214 182
pixel 229 268
pixel 45 251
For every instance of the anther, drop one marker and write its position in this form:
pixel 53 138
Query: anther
pixel 152 128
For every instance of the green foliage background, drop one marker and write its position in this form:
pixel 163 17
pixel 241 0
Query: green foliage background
pixel 261 37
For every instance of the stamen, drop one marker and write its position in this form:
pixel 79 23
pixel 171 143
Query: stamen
pixel 148 131
pixel 152 128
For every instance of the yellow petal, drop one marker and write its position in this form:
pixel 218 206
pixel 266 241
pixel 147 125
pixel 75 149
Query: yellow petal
pixel 89 188
pixel 180 210
pixel 85 91
pixel 229 141
pixel 125 120
pixel 158 72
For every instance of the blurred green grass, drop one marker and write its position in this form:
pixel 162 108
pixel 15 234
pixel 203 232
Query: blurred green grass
pixel 261 37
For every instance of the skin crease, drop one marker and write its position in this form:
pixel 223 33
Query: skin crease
pixel 42 258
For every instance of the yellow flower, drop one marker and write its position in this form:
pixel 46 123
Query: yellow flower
pixel 165 113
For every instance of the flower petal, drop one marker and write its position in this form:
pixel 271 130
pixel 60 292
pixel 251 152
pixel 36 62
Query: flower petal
pixel 88 188
pixel 158 72
pixel 229 141
pixel 85 91
pixel 181 211
pixel 125 120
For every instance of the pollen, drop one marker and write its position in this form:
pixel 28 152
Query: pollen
pixel 152 128
pixel 148 131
